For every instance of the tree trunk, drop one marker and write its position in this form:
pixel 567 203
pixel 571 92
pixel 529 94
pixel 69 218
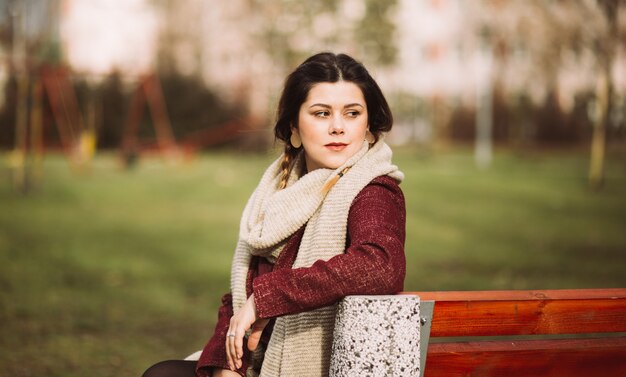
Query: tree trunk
pixel 604 92
pixel 598 141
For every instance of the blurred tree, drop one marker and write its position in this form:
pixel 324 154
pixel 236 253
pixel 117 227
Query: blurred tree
pixel 246 47
pixel 115 102
pixel 361 28
pixel 180 41
pixel 375 32
pixel 192 106
pixel 606 44
pixel 288 33
pixel 551 52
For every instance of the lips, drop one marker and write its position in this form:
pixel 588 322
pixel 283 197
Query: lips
pixel 336 146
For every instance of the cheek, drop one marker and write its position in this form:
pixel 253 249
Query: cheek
pixel 361 128
pixel 308 130
pixel 305 135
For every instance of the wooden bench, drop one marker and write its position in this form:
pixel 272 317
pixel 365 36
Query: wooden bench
pixel 527 333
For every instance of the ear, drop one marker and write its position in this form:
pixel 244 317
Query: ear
pixel 369 136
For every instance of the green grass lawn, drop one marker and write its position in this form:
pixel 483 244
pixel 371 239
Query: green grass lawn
pixel 102 274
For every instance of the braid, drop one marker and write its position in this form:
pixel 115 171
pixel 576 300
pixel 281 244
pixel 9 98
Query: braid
pixel 286 164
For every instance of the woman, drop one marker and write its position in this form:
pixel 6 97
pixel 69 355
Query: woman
pixel 327 220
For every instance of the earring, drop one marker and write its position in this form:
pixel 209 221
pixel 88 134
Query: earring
pixel 295 140
pixel 369 137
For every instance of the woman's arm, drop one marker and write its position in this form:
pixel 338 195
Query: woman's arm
pixel 374 261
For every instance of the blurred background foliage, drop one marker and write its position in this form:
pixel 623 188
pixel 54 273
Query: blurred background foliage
pixel 551 71
pixel 132 133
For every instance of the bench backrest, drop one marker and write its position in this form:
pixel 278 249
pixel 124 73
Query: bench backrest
pixel 527 333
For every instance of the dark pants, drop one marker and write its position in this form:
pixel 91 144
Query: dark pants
pixel 172 368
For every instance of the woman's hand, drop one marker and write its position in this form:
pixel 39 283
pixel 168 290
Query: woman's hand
pixel 241 322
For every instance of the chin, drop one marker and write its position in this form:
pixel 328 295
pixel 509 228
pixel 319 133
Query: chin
pixel 335 163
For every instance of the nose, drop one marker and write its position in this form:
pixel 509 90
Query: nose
pixel 336 126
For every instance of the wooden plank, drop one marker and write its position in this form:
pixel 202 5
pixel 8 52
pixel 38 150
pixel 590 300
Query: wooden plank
pixel 556 294
pixel 494 318
pixel 564 357
pixel 498 313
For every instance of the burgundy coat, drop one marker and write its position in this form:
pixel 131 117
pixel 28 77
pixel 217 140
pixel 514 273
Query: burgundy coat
pixel 373 263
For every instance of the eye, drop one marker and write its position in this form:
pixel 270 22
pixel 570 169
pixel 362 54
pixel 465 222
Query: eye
pixel 353 113
pixel 321 113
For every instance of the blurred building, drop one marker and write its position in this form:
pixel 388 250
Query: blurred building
pixel 447 51
pixel 100 36
pixel 431 57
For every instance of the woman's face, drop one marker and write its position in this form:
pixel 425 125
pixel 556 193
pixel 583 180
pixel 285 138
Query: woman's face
pixel 332 123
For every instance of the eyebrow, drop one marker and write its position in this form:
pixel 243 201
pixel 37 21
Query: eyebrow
pixel 330 107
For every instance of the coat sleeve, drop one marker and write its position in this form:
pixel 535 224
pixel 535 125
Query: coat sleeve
pixel 214 353
pixel 374 261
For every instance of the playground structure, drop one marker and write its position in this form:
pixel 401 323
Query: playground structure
pixel 77 129
pixel 46 68
pixel 78 138
pixel 148 92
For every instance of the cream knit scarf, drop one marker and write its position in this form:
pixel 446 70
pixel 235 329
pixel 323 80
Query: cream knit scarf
pixel 300 343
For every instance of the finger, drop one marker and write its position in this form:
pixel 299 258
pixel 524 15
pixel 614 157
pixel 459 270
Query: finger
pixel 230 365
pixel 238 344
pixel 232 350
pixel 257 331
pixel 229 355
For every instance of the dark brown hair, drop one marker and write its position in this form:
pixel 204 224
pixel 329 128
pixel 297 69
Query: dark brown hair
pixel 326 67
